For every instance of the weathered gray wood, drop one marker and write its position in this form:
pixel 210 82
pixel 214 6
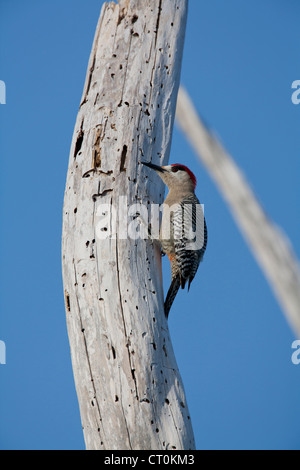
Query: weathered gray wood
pixel 129 388
pixel 269 245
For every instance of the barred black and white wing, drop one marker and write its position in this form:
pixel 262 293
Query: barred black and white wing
pixel 189 236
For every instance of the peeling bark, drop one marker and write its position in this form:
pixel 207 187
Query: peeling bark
pixel 129 388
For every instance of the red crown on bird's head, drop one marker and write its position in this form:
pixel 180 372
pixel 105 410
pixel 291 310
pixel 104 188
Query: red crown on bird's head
pixel 189 172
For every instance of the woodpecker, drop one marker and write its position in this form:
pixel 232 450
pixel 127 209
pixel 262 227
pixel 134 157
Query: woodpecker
pixel 180 220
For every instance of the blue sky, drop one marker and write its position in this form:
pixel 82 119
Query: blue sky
pixel 232 342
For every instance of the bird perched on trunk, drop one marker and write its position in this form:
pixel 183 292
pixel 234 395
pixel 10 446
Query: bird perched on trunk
pixel 183 233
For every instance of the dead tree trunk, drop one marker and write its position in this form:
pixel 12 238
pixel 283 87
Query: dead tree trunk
pixel 129 389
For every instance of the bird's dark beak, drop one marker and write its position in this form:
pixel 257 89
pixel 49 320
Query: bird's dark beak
pixel 154 167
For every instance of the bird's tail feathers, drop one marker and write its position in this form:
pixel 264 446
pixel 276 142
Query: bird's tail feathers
pixel 174 287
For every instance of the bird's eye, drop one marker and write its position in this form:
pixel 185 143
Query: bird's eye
pixel 174 169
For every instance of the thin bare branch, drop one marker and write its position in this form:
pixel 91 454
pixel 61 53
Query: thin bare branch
pixel 269 245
